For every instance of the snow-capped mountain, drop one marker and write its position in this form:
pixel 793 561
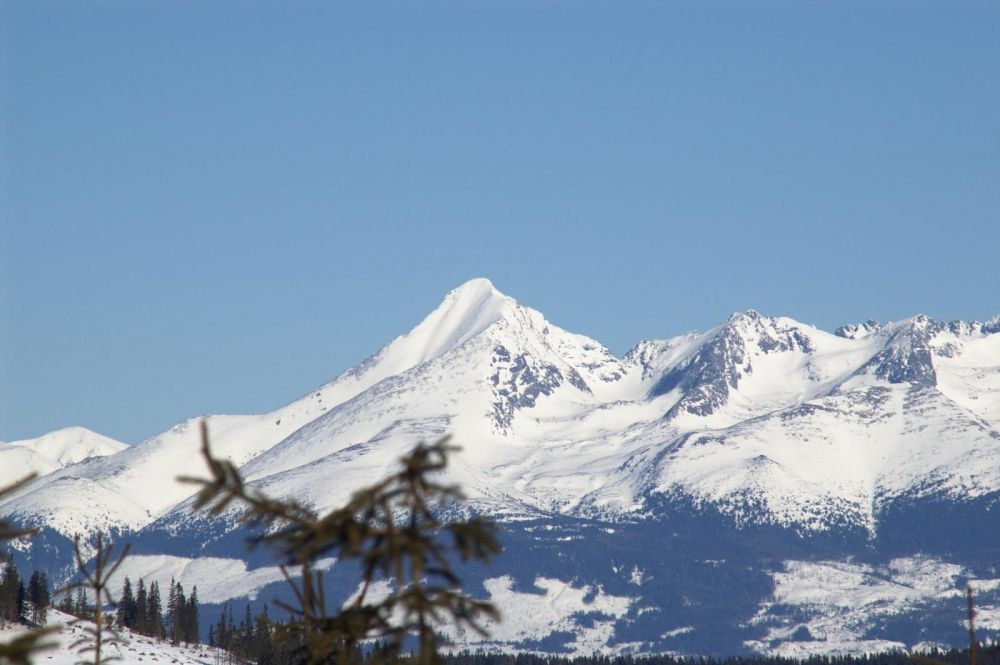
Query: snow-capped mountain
pixel 760 446
pixel 52 451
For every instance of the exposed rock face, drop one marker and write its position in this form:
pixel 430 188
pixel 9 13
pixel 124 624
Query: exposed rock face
pixel 707 378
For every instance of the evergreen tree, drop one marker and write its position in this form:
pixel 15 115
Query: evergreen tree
pixel 126 606
pixel 80 604
pixel 191 632
pixel 222 629
pixel 247 627
pixel 12 594
pixel 154 612
pixel 177 614
pixel 263 652
pixel 171 610
pixel 230 627
pixel 45 595
pixel 141 608
pixel 39 597
pixel 22 602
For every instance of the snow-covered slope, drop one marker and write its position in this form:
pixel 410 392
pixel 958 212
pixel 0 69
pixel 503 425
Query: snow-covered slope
pixel 819 429
pixel 71 445
pixel 52 451
pixel 837 459
pixel 552 421
pixel 140 481
pixel 132 650
pixel 17 462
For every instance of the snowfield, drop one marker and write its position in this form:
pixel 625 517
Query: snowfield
pixel 216 579
pixel 586 612
pixel 832 605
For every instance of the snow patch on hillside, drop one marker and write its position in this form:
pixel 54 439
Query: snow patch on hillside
pixel 827 607
pixel 217 579
pixel 587 612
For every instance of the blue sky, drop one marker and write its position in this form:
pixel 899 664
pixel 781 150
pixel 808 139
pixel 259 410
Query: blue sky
pixel 214 207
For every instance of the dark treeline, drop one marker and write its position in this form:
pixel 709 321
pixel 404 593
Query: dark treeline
pixel 20 602
pixel 141 610
pixel 256 639
pixel 262 641
pixel 955 656
pixel 75 605
pixel 279 643
pixel 259 640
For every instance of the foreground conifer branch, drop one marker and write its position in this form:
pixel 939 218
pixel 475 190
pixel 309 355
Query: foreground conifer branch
pixel 95 581
pixel 393 530
pixel 19 651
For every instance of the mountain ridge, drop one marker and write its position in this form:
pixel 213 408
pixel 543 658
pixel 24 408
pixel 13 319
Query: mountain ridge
pixel 698 378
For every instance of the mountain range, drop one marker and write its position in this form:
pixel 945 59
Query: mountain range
pixel 764 486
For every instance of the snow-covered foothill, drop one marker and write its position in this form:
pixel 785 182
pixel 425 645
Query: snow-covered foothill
pixel 829 607
pixel 133 649
pixel 589 613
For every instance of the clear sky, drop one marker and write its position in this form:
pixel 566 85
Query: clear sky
pixel 213 207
